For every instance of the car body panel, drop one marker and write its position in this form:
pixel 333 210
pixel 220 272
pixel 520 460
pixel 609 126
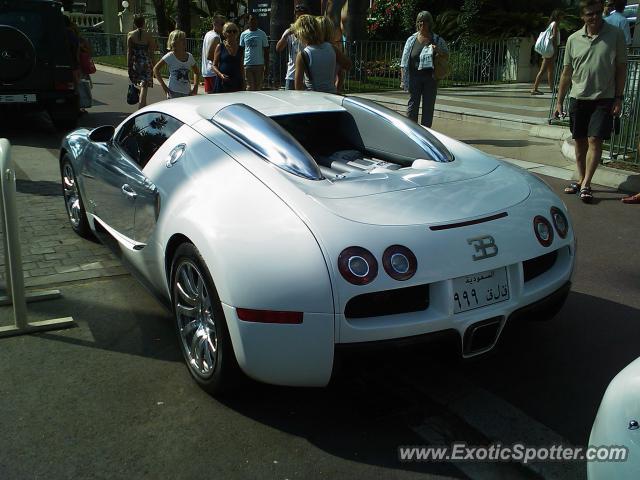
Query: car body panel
pixel 271 238
pixel 620 405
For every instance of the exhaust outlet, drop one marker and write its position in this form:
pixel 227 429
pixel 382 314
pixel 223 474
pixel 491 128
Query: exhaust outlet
pixel 481 337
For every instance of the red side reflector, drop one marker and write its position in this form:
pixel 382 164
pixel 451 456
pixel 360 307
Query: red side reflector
pixel 63 86
pixel 268 316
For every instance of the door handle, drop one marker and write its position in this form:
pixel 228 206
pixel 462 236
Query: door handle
pixel 128 191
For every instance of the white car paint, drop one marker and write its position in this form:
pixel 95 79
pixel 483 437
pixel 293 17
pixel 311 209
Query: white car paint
pixel 271 239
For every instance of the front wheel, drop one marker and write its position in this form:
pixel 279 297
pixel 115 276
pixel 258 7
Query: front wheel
pixel 200 322
pixel 73 201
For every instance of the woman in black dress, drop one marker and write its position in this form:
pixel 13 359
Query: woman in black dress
pixel 228 61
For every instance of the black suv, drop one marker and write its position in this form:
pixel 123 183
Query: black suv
pixel 36 61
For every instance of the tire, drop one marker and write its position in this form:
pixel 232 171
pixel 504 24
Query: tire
pixel 19 58
pixel 73 200
pixel 200 323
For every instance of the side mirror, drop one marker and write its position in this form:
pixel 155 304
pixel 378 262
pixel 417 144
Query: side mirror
pixel 102 134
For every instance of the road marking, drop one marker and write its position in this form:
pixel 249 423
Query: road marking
pixel 497 420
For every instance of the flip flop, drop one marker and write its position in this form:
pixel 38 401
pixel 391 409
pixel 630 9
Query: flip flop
pixel 585 194
pixel 573 188
pixel 536 92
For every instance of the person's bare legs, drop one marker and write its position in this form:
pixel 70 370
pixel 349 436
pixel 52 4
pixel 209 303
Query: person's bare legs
pixel 581 149
pixel 550 68
pixel 143 97
pixel 543 68
pixel 593 157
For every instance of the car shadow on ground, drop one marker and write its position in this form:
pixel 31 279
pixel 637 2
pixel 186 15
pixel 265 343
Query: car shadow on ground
pixel 555 372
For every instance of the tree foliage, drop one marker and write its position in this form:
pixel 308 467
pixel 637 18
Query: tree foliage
pixel 458 20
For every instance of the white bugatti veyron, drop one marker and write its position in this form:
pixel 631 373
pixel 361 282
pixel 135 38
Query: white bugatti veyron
pixel 282 226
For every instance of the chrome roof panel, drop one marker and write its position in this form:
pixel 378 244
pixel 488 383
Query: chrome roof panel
pixel 190 110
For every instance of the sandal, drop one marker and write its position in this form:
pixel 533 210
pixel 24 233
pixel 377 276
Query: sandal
pixel 585 195
pixel 536 92
pixel 573 188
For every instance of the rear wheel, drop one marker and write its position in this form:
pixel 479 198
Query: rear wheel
pixel 72 200
pixel 200 322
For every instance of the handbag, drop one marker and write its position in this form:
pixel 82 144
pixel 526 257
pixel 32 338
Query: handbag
pixel 441 68
pixel 544 43
pixel 86 63
pixel 133 94
pixel 85 98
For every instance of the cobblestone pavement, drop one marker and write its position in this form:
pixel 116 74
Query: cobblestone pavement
pixel 51 252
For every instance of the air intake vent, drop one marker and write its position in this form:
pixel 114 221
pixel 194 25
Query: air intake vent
pixel 389 302
pixel 537 266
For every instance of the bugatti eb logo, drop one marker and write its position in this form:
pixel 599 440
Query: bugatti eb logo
pixel 485 247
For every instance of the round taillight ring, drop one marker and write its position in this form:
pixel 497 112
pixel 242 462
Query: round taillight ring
pixel 560 222
pixel 399 262
pixel 357 265
pixel 543 230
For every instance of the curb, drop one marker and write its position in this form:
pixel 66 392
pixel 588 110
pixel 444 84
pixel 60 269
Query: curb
pixel 609 177
pixel 553 132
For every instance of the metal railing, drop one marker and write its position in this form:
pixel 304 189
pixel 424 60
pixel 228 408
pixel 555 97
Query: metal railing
pixel 14 276
pixel 623 144
pixel 376 64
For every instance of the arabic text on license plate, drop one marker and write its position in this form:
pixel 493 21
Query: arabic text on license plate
pixel 480 289
pixel 21 98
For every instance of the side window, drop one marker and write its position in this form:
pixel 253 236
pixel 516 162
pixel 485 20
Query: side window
pixel 143 135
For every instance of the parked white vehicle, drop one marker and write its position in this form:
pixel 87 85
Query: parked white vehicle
pixel 281 227
pixel 618 423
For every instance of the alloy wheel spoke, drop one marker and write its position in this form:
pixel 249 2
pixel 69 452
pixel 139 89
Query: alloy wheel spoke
pixel 186 297
pixel 187 311
pixel 189 328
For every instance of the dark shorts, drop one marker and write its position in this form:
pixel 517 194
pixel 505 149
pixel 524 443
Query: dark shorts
pixel 591 118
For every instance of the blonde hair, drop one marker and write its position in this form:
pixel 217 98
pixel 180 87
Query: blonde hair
pixel 174 37
pixel 307 30
pixel 227 26
pixel 326 27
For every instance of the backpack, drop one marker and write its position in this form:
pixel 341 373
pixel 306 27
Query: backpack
pixel 544 44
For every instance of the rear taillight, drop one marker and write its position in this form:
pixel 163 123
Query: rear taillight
pixel 357 265
pixel 399 262
pixel 560 222
pixel 543 230
pixel 269 316
pixel 64 86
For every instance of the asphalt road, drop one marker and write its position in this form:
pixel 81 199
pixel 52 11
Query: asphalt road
pixel 111 398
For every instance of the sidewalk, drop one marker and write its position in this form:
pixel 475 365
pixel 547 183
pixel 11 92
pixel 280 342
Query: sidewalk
pixel 506 121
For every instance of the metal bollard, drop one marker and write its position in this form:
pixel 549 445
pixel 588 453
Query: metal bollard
pixel 13 255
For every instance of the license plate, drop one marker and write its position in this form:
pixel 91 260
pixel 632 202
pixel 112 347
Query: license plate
pixel 22 98
pixel 480 289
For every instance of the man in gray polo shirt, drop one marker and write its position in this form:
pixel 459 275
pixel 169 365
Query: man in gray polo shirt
pixel 595 67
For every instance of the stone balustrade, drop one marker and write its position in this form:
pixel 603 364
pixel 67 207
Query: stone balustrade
pixel 85 19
